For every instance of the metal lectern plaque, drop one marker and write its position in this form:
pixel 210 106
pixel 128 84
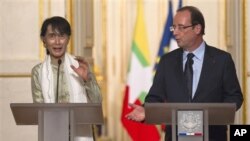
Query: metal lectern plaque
pixel 190 123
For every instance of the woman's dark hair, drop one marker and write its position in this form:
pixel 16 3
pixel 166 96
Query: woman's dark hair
pixel 58 23
pixel 196 16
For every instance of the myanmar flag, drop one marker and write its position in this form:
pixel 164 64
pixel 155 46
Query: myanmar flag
pixel 138 82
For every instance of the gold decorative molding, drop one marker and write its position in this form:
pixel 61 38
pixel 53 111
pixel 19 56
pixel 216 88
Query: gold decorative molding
pixel 11 75
pixel 70 18
pixel 41 15
pixel 245 73
pixel 104 57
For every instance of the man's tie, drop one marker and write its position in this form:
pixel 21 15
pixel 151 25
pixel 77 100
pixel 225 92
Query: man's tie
pixel 188 73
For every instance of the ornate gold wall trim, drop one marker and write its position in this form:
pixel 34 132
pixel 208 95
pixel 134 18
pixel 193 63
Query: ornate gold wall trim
pixel 104 50
pixel 244 59
pixel 14 75
pixel 70 18
pixel 41 15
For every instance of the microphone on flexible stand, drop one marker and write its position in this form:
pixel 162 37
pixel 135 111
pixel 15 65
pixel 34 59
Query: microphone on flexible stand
pixel 58 72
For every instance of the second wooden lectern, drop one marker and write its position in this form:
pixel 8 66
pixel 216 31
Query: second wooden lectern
pixel 191 119
pixel 58 122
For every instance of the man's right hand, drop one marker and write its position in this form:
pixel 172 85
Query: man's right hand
pixel 138 113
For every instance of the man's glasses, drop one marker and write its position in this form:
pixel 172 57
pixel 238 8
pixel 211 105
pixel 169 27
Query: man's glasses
pixel 180 27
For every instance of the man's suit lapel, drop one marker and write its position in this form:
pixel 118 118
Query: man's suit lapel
pixel 207 70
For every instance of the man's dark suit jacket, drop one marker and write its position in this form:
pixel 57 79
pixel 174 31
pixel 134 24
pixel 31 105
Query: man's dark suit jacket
pixel 218 83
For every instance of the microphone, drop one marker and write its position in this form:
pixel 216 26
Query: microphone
pixel 58 72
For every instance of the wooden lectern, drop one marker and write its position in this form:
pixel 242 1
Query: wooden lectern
pixel 58 122
pixel 189 116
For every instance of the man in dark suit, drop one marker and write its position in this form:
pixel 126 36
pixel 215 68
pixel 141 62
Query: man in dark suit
pixel 210 78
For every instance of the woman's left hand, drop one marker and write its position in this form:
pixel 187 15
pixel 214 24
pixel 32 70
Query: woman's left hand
pixel 83 68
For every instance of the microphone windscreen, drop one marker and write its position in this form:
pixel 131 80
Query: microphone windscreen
pixel 59 62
